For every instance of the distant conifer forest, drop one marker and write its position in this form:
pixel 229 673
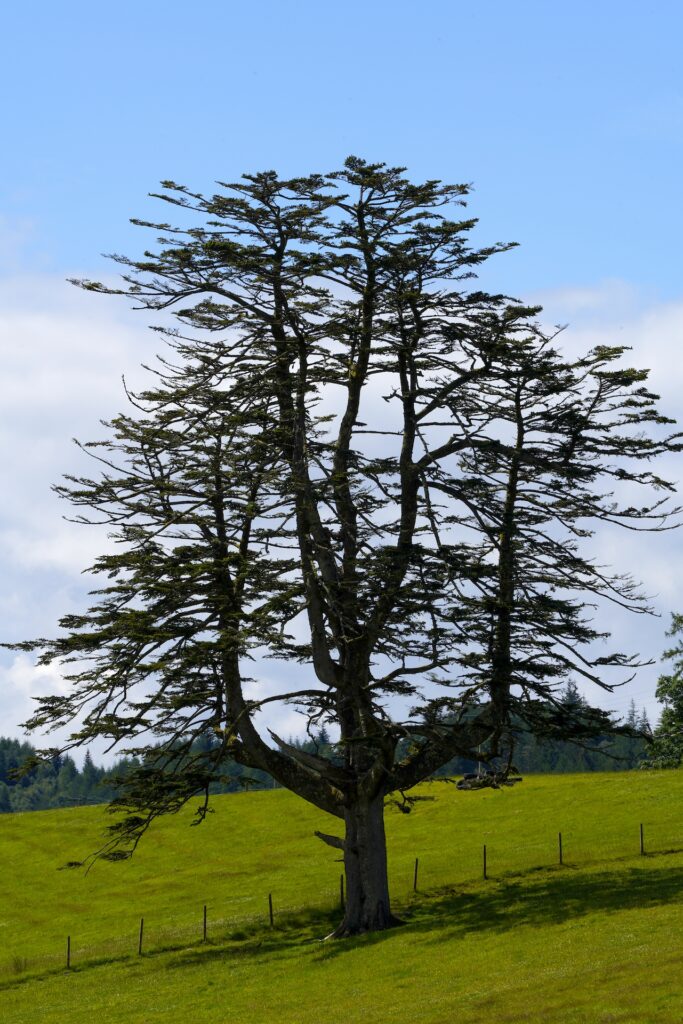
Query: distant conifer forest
pixel 28 784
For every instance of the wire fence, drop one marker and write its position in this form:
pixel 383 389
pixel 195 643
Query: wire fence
pixel 249 916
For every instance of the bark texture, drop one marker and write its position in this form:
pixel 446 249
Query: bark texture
pixel 368 907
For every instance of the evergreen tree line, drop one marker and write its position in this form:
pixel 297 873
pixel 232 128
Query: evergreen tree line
pixel 534 754
pixel 60 783
pixel 613 752
pixel 27 784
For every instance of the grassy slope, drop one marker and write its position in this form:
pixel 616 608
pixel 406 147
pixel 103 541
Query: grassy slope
pixel 594 941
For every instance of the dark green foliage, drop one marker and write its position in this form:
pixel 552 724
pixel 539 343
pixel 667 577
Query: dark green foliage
pixel 539 753
pixel 535 756
pixel 667 746
pixel 5 800
pixel 535 497
pixel 30 784
pixel 57 782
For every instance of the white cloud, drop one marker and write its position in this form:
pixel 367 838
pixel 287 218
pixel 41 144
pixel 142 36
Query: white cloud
pixel 612 301
pixel 21 681
pixel 63 354
pixel 63 358
pixel 614 313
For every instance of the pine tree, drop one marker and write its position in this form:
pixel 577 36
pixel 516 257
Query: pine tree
pixel 644 726
pixel 632 718
pixel 350 462
pixel 667 746
pixel 5 802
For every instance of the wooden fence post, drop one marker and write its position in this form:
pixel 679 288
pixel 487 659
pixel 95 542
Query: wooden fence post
pixel 142 925
pixel 68 952
pixel 270 908
pixel 417 864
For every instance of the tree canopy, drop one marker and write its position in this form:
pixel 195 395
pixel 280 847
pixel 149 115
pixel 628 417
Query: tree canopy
pixel 351 462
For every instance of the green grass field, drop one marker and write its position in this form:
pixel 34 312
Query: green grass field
pixel 599 939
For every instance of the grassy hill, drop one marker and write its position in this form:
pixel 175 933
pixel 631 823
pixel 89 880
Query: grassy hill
pixel 594 940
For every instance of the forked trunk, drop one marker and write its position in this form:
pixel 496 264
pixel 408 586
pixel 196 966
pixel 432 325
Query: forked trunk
pixel 367 907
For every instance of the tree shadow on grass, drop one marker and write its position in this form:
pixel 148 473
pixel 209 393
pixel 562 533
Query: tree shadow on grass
pixel 549 896
pixel 557 897
pixel 506 904
pixel 293 931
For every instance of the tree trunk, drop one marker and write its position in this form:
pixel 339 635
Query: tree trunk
pixel 367 906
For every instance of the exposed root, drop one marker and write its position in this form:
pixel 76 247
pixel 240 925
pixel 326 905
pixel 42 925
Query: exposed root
pixel 346 929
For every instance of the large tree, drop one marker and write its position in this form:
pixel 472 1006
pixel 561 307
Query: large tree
pixel 352 463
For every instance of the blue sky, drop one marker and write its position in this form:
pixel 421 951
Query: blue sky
pixel 568 119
